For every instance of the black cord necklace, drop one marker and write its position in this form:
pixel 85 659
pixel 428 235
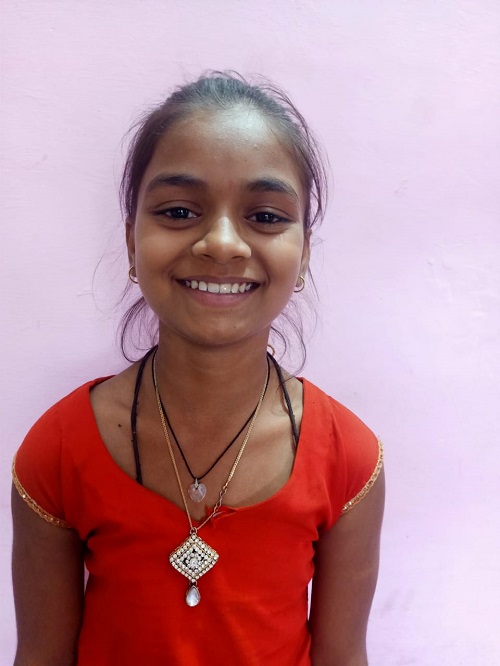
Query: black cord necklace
pixel 197 490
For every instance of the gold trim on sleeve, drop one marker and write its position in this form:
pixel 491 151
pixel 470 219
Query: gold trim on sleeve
pixel 31 502
pixel 366 488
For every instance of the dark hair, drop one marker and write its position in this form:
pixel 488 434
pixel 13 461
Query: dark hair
pixel 224 90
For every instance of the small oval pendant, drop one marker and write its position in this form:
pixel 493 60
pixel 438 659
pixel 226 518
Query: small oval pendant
pixel 197 491
pixel 193 596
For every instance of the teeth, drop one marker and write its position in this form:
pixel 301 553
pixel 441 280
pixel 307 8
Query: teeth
pixel 216 288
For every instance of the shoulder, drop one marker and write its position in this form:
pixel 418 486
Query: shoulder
pixel 77 408
pixel 336 417
pixel 112 393
pixel 353 451
pixel 74 405
pixel 38 466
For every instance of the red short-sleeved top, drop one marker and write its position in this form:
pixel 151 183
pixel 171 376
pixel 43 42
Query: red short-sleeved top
pixel 254 601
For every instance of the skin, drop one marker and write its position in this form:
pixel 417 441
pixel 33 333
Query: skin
pixel 221 201
pixel 47 572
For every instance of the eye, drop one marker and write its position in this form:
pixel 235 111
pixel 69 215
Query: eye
pixel 265 217
pixel 177 213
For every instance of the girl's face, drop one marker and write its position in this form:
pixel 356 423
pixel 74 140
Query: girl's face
pixel 218 240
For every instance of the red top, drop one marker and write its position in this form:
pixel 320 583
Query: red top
pixel 254 601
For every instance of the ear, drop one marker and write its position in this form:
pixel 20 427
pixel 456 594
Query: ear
pixel 130 240
pixel 306 254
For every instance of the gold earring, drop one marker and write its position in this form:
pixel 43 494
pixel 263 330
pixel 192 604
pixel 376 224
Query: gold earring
pixel 301 277
pixel 271 348
pixel 131 277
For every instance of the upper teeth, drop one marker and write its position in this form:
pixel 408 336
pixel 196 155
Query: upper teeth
pixel 216 288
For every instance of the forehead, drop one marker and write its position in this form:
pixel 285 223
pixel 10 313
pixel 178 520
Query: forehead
pixel 236 144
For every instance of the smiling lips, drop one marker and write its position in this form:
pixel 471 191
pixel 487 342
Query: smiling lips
pixel 216 288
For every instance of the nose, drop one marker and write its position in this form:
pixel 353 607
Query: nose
pixel 222 241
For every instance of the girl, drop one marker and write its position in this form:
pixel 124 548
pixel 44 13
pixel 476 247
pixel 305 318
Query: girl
pixel 203 487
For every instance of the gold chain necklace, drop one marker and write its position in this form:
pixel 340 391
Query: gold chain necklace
pixel 194 557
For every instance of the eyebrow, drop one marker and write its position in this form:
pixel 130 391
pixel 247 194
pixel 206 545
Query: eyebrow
pixel 185 180
pixel 272 185
pixel 175 179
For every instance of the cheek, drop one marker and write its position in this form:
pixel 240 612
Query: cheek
pixel 154 247
pixel 289 253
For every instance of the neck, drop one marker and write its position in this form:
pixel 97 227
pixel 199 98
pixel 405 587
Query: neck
pixel 210 380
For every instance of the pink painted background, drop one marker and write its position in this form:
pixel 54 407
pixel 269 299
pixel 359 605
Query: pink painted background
pixel 405 98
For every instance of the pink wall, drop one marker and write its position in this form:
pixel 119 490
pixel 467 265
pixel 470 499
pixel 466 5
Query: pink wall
pixel 405 97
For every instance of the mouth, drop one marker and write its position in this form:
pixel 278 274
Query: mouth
pixel 220 288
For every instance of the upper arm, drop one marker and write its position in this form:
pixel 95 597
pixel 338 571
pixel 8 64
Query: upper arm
pixel 47 570
pixel 346 569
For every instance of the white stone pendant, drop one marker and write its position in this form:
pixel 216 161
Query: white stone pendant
pixel 197 491
pixel 193 596
pixel 193 558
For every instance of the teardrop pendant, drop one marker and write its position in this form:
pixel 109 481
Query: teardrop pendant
pixel 193 596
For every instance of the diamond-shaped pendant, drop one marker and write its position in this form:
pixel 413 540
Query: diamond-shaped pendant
pixel 193 558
